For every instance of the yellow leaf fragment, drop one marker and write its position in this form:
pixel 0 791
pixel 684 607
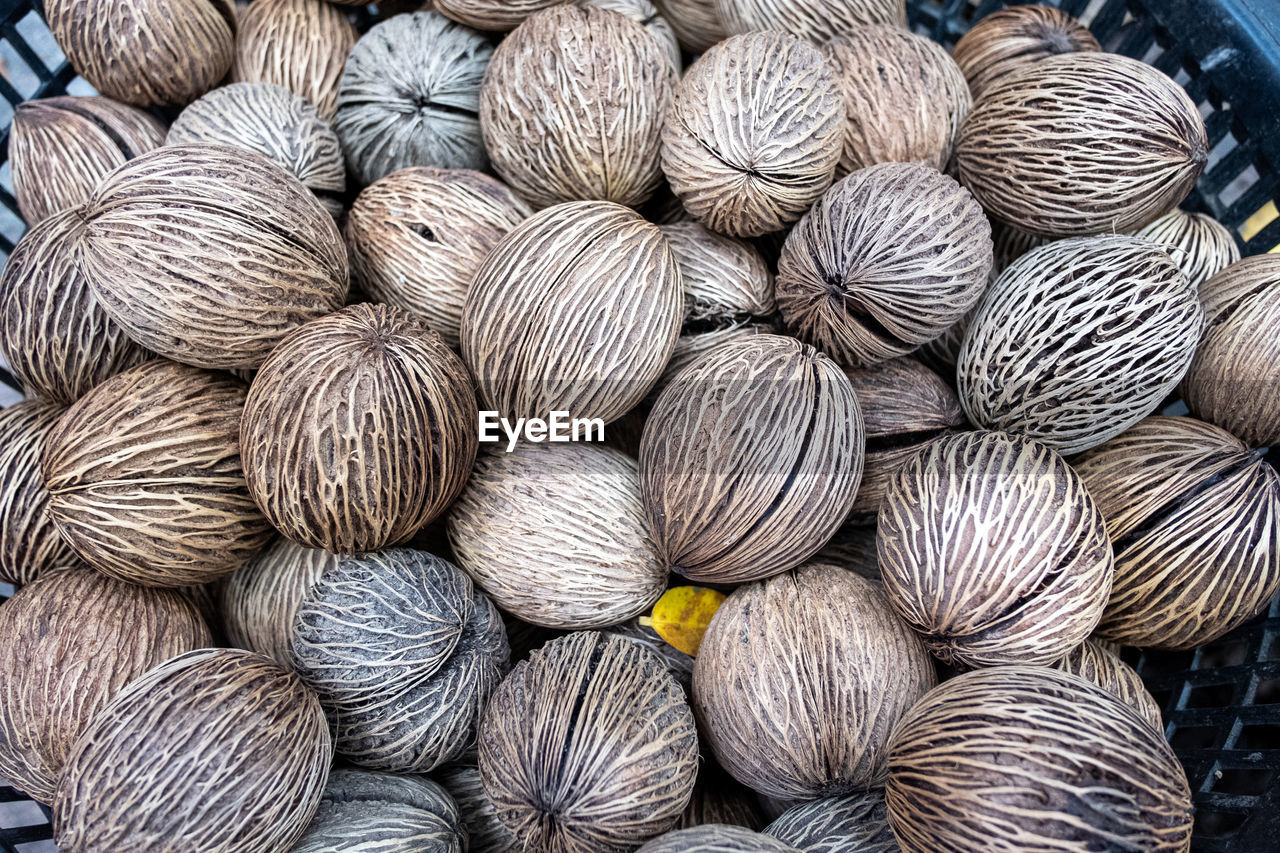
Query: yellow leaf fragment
pixel 682 615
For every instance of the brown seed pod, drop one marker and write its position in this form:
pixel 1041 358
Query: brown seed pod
pixel 365 370
pixel 301 45
pixel 1079 340
pixel 645 14
pixel 500 15
pixel 1234 378
pixel 1201 246
pixel 236 744
pixel 854 823
pixel 715 838
pixel 145 480
pixel 1009 40
pixel 1084 143
pixel 991 548
pixel 801 678
pixel 260 601
pixel 588 747
pixel 363 810
pixel 1195 519
pixel 60 148
pixel 888 259
pixel 1032 759
pixel 815 20
pixel 753 134
pixel 1092 662
pixel 485 833
pixel 750 460
pixel 69 641
pixel 696 23
pixel 29 541
pixel 417 236
pixel 719 798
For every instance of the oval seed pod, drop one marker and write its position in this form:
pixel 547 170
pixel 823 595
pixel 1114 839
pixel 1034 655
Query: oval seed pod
pixel 815 20
pixel 696 23
pixel 1092 662
pixel 29 540
pixel 1008 40
pixel 1201 246
pixel 499 15
pixel 646 15
pixel 260 601
pixel 854 823
pixel 715 838
pixel 485 833
pixel 363 810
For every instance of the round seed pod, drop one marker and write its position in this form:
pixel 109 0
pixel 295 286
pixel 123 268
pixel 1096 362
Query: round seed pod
pixel 417 236
pixel 363 810
pixel 854 823
pixel 1202 246
pixel 1079 340
pixel 260 601
pixel 646 15
pixel 696 23
pixel 145 481
pixel 69 641
pixel 499 15
pixel 715 838
pixel 991 548
pixel 588 747
pixel 312 406
pixel 577 309
pixel 1025 758
pixel 60 148
pixel 1009 40
pixel 754 133
pixel 815 20
pixel 888 259
pixel 485 833
pixel 29 541
pixel 1234 375
pixel 719 798
pixel 1084 143
pixel 1194 516
pixel 301 45
pixel 237 745
pixel 1092 662
pixel 781 422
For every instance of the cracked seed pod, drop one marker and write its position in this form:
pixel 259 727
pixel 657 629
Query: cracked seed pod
pixel 992 549
pixel 753 134
pixel 854 823
pixel 696 23
pixel 216 750
pixel 815 20
pixel 260 601
pixel 1234 376
pixel 800 679
pixel 1030 759
pixel 750 460
pixel 1009 40
pixel 715 838
pixel 1079 144
pixel 1079 340
pixel 887 260
pixel 1194 516
pixel 718 797
pixel 30 544
pixel 301 45
pixel 498 15
pixel 61 148
pixel 1092 662
pixel 588 747
pixel 417 236
pixel 485 833
pixel 646 15
pixel 69 641
pixel 1202 246
pixel 145 480
pixel 577 309
pixel 363 810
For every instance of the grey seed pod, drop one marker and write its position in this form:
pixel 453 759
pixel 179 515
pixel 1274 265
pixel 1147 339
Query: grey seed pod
pixel 499 15
pixel 30 543
pixel 853 548
pixel 854 823
pixel 260 601
pixel 1093 662
pixel 1201 246
pixel 1008 40
pixel 367 812
pixel 715 838
pixel 815 20
pixel 696 23
pixel 485 833
pixel 646 15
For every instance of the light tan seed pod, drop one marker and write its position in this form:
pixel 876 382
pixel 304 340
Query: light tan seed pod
pixel 696 23
pixel 1009 40
pixel 301 45
pixel 1079 340
pixel 69 641
pixel 1084 143
pixel 261 599
pixel 1092 662
pixel 1024 758
pixel 801 678
pixel 60 148
pixel 1200 245
pixel 499 15
pixel 29 540
pixel 715 838
pixel 217 749
pixel 1195 519
pixel 815 20
pixel 753 134
pixel 417 236
pixel 646 15
pixel 854 823
pixel 887 260
pixel 364 810
pixel 485 833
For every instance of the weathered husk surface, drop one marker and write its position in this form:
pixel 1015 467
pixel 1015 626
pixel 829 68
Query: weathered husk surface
pixel 1194 516
pixel 646 14
pixel 800 680
pixel 1200 245
pixel 991 548
pixel 588 747
pixel 715 838
pixel 260 601
pixel 367 812
pixel 218 750
pixel 29 540
pixel 1079 340
pixel 1093 662
pixel 815 20
pixel 679 664
pixel 485 833
pixel 1008 40
pixel 718 797
pixel 696 23
pixel 854 823
pixel 750 460
pixel 1036 760
pixel 500 15
pixel 367 369
pixel 145 480
pixel 301 45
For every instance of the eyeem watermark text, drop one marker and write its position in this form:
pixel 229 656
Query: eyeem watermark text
pixel 557 427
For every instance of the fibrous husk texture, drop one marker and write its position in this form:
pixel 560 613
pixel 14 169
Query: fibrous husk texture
pixel 646 14
pixel 853 823
pixel 260 601
pixel 1199 244
pixel 500 15
pixel 1008 40
pixel 485 833
pixel 716 838
pixel 679 664
pixel 696 23
pixel 301 45
pixel 815 20
pixel 1093 661
pixel 367 812
pixel 29 540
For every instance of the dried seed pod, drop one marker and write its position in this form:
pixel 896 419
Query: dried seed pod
pixel 646 15
pixel 588 747
pixel 696 23
pixel 1202 246
pixel 1195 519
pixel 715 838
pixel 500 15
pixel 417 236
pixel 1084 143
pixel 750 460
pixel 801 678
pixel 854 823
pixel 1234 377
pixel 69 641
pixel 1009 40
pixel 485 833
pixel 261 599
pixel 991 548
pixel 29 541
pixel 888 259
pixel 753 134
pixel 272 121
pixel 363 810
pixel 815 20
pixel 410 96
pixel 1079 340
pixel 577 309
pixel 1032 759
pixel 367 369
pixel 679 664
pixel 236 745
pixel 719 798
pixel 1092 662
pixel 60 148
pixel 301 45
pixel 145 480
